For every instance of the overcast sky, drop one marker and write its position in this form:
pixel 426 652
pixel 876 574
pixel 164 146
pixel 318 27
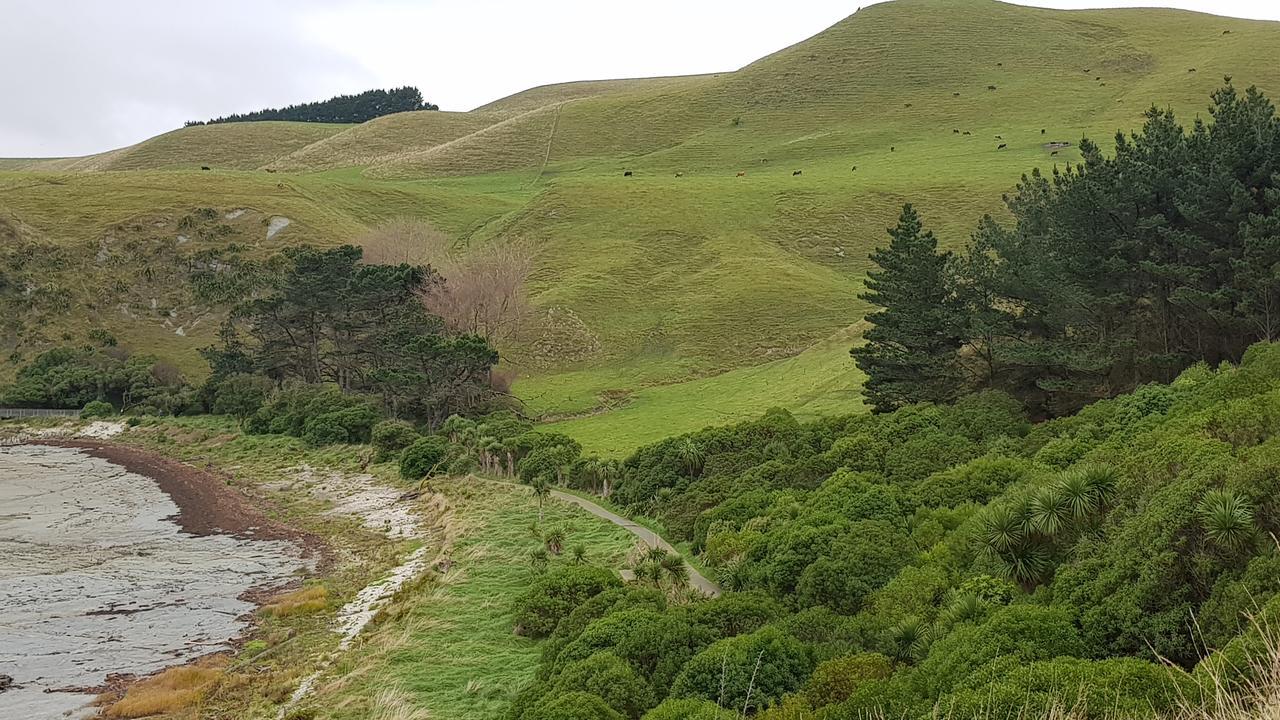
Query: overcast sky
pixel 83 76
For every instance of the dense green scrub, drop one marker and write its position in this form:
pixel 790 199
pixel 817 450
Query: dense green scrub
pixel 950 558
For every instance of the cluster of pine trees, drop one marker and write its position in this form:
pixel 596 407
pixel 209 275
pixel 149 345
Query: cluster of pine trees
pixel 1116 272
pixel 341 109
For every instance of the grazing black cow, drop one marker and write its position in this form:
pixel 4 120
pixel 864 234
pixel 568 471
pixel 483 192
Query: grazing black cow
pixel 907 104
pixel 966 132
pixel 999 137
pixel 1098 77
pixel 1226 32
pixel 1086 69
pixel 204 167
pixel 1002 146
pixel 991 87
pixel 892 148
pixel 999 64
pixel 855 168
pixel 1055 152
pixel 955 94
pixel 795 172
pixel 679 174
pixel 271 170
pixel 627 174
pixel 1191 69
pixel 955 131
pixel 1041 131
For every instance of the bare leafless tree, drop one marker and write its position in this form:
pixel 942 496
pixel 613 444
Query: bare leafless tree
pixel 484 290
pixel 405 240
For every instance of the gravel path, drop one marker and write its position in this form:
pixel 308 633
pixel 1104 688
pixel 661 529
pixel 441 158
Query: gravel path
pixel 649 537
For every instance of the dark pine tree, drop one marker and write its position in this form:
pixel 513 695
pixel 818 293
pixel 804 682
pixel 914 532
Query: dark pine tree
pixel 910 351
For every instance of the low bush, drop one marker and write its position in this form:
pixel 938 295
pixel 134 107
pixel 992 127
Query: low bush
pixel 97 409
pixel 424 458
pixel 556 594
pixel 390 437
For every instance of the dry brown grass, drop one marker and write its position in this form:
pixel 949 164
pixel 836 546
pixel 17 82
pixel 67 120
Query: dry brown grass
pixel 306 600
pixel 174 689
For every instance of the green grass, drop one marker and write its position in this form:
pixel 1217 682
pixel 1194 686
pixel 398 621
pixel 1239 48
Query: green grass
pixel 822 380
pixel 690 291
pixel 451 649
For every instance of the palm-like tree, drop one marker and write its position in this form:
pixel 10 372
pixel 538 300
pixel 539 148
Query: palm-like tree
pixel 910 639
pixel 554 541
pixel 579 553
pixel 1227 518
pixel 732 575
pixel 674 568
pixel 964 608
pixel 538 558
pixel 1048 511
pixel 541 491
pixel 490 451
pixel 1010 534
pixel 610 471
pixel 691 457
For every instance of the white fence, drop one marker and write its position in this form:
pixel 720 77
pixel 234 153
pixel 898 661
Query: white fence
pixel 36 412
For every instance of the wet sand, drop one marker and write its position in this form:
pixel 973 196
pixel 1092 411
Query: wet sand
pixel 105 570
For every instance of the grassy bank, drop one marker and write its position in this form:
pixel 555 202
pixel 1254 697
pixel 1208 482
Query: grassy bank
pixel 448 649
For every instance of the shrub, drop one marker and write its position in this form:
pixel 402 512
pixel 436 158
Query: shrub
pixel 571 706
pixel 1092 690
pixel 767 664
pixel 1018 633
pixel 320 414
pixel 97 409
pixel 390 437
pixel 689 709
pixel 976 481
pixel 614 681
pixel 861 452
pixel 834 681
pixel 425 457
pixel 555 595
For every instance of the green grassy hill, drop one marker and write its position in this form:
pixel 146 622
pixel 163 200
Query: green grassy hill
pixel 665 303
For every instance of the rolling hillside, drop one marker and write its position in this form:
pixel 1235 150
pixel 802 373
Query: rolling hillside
pixel 665 301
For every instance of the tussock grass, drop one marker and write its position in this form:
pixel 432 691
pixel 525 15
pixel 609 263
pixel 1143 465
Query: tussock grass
pixel 174 689
pixel 299 602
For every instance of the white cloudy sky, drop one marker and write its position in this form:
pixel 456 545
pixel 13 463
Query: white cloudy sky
pixel 83 76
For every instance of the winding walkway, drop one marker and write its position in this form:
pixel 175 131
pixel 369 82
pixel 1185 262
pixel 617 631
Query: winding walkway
pixel 649 537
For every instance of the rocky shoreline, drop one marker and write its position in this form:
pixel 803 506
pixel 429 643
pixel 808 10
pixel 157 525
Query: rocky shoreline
pixel 119 563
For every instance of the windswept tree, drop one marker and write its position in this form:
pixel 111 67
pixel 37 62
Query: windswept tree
pixel 910 354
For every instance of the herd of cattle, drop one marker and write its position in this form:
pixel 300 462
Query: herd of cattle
pixel 1053 148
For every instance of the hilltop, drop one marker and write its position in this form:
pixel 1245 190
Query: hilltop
pixel 678 301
